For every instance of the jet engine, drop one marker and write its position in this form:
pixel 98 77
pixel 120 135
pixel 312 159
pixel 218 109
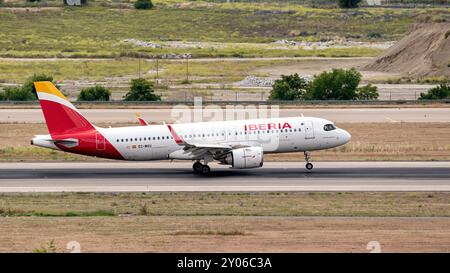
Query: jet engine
pixel 245 158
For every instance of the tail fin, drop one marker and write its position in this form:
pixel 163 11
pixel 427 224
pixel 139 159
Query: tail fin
pixel 141 120
pixel 60 115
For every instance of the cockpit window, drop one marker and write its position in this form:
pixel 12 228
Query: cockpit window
pixel 329 127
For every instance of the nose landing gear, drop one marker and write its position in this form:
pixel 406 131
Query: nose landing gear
pixel 309 166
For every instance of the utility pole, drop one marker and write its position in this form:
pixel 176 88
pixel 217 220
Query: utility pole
pixel 139 65
pixel 157 69
pixel 187 68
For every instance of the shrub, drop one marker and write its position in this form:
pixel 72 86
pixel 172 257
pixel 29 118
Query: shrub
pixel 29 84
pixel 50 248
pixel 347 4
pixel 439 92
pixel 141 90
pixel 374 35
pixel 96 93
pixel 83 2
pixel 17 93
pixel 143 4
pixel 367 92
pixel 289 87
pixel 338 84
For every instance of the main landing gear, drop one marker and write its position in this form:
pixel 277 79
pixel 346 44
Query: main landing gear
pixel 200 168
pixel 309 166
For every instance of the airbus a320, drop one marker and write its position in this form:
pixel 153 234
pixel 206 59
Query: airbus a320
pixel 241 144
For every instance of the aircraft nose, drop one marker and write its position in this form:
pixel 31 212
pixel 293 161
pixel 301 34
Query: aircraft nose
pixel 345 136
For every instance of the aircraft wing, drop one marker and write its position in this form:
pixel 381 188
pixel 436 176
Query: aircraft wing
pixel 199 149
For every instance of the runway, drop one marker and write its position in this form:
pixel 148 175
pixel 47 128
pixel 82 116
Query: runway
pixel 178 176
pixel 170 115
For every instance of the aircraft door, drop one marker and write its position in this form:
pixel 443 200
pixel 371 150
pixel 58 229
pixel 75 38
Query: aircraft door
pixel 309 130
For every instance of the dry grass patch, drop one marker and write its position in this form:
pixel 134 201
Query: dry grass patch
pixel 226 204
pixel 263 234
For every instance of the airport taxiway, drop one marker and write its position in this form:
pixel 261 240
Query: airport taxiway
pixel 178 176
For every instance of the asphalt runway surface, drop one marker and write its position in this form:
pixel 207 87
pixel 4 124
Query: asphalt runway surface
pixel 168 114
pixel 178 176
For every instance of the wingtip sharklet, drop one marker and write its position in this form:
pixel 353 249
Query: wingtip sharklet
pixel 179 140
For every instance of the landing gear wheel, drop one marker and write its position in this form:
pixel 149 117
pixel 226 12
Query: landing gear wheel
pixel 197 167
pixel 309 165
pixel 206 169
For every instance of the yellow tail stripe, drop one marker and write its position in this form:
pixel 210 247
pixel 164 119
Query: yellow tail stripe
pixel 48 87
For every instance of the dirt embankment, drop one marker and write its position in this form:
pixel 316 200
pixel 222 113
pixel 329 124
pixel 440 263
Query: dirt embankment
pixel 424 52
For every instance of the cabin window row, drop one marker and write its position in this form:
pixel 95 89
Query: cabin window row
pixel 143 139
pixel 210 135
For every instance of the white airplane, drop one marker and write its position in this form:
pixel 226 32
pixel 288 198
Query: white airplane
pixel 238 143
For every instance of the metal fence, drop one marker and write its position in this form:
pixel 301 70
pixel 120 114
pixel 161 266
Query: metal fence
pixel 222 102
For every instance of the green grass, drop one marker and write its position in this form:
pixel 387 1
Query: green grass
pixel 98 31
pixel 8 212
pixel 419 204
pixel 13 71
pixel 199 71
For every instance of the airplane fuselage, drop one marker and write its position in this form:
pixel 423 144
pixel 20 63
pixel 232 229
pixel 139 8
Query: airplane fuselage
pixel 238 143
pixel 155 142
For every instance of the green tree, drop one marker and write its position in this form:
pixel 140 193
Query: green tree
pixel 348 4
pixel 437 93
pixel 289 87
pixel 338 84
pixel 29 84
pixel 143 4
pixel 141 90
pixel 367 92
pixel 96 93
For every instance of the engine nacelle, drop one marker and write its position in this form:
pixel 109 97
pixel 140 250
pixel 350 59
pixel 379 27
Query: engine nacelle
pixel 245 158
